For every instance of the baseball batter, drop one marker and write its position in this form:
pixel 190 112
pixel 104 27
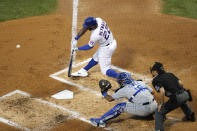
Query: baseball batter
pixel 141 101
pixel 100 33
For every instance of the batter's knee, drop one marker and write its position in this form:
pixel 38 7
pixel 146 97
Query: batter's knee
pixel 95 57
pixel 104 70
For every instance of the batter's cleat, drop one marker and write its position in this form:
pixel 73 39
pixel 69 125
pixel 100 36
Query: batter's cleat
pixel 97 122
pixel 82 73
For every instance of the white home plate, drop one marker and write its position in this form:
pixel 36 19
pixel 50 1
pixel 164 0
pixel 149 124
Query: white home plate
pixel 65 94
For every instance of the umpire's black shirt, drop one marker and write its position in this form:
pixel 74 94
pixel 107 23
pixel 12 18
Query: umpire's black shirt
pixel 169 82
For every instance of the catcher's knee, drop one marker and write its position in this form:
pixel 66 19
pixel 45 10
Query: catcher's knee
pixel 119 108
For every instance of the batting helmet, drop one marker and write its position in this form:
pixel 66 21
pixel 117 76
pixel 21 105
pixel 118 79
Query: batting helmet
pixel 124 78
pixel 90 21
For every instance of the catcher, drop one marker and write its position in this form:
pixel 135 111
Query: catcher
pixel 141 101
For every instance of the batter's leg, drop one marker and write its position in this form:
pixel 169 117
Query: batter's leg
pixel 105 64
pixel 91 64
pixel 111 73
pixel 93 61
pixel 104 55
pixel 83 72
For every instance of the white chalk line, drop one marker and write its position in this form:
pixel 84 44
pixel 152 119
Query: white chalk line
pixel 14 92
pixel 55 76
pixel 74 26
pixel 74 114
pixel 11 123
pixel 74 19
pixel 74 66
pixel 172 118
pixel 76 85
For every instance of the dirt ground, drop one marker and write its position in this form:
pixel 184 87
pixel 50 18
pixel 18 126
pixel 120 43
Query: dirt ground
pixel 143 34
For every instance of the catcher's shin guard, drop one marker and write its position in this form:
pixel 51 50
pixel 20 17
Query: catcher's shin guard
pixel 114 112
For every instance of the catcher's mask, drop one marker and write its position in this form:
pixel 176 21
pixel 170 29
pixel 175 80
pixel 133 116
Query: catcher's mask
pixel 104 84
pixel 157 67
pixel 124 78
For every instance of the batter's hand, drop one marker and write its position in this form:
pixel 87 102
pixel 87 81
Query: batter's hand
pixel 75 49
pixel 74 43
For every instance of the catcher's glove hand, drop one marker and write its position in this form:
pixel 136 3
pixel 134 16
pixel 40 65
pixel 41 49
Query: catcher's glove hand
pixel 105 85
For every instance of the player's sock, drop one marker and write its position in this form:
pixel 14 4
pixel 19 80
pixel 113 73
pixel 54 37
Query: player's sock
pixel 114 112
pixel 90 64
pixel 112 73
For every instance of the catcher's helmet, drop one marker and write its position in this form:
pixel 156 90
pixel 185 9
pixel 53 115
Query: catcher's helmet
pixel 124 78
pixel 90 21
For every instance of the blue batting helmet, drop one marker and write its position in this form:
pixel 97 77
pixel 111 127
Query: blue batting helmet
pixel 90 21
pixel 124 78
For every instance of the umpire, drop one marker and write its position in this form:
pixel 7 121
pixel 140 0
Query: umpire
pixel 167 84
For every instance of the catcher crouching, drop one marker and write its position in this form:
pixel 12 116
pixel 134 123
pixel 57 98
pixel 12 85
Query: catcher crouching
pixel 140 99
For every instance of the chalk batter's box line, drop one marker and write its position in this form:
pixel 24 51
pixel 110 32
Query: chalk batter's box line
pixel 11 123
pixel 56 77
pixel 74 114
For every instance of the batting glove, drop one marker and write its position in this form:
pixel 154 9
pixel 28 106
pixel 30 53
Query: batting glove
pixel 74 43
pixel 75 49
pixel 77 37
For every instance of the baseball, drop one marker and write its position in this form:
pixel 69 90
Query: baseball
pixel 18 46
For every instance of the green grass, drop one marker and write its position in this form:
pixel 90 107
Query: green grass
pixel 186 8
pixel 14 9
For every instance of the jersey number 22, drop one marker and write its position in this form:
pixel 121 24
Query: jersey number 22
pixel 106 32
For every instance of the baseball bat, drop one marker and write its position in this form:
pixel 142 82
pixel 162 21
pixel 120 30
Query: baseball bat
pixel 71 62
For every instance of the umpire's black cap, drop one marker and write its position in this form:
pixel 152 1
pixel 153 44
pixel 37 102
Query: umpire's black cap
pixel 157 67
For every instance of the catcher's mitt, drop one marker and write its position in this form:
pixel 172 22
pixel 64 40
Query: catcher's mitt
pixel 105 85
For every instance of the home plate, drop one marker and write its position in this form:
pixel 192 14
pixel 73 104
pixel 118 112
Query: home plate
pixel 65 94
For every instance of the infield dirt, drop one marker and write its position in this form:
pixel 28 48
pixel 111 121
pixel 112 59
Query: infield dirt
pixel 143 36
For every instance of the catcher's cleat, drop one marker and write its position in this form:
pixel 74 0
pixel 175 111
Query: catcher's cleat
pixel 82 73
pixel 97 122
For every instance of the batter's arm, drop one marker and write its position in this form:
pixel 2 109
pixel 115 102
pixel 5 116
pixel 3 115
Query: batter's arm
pixel 81 33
